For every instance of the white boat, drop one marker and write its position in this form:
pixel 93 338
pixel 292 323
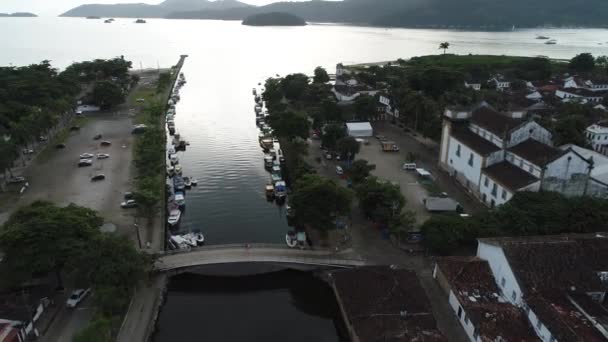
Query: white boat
pixel 187 182
pixel 551 42
pixel 180 242
pixel 180 199
pixel 170 151
pixel 280 190
pixel 174 217
pixel 291 239
pixel 174 159
pixel 178 169
pixel 194 239
pixel 194 181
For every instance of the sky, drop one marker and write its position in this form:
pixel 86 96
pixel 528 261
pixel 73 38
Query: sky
pixel 56 7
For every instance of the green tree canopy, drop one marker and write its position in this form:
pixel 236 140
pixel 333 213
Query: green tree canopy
pixel 107 94
pixel 289 124
pixel 318 201
pixel 348 147
pixel 321 76
pixel 365 107
pixel 43 238
pixel 332 133
pixel 379 200
pixel 444 46
pixel 293 86
pixel 360 170
pixel 583 62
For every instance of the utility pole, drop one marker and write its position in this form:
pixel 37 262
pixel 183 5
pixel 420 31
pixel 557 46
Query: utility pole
pixel 136 227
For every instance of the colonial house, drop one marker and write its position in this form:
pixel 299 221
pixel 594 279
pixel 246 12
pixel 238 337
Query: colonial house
pixel 560 282
pixel 598 180
pixel 496 154
pixel 478 303
pixel 475 85
pixel 597 137
pixel 347 88
pixel 580 94
pixel 500 82
pixel 596 84
pixel 387 108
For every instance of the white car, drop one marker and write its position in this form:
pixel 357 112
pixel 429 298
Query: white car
pixel 339 170
pixel 103 156
pixel 86 156
pixel 77 296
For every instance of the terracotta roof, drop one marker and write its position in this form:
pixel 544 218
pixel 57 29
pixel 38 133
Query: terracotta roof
pixel 494 121
pixel 472 282
pixel 509 176
pixel 550 269
pixel 474 141
pixel 385 304
pixel 536 152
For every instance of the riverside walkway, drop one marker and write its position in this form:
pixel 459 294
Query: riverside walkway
pixel 223 254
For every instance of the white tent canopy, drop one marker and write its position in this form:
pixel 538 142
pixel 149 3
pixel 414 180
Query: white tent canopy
pixel 359 129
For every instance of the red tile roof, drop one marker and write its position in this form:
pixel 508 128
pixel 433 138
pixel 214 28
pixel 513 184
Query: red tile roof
pixel 494 121
pixel 472 282
pixel 536 152
pixel 385 304
pixel 474 141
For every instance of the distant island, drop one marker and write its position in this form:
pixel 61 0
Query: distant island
pixel 443 14
pixel 18 15
pixel 274 19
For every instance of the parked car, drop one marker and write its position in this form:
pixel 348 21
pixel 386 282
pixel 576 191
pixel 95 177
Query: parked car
pixel 75 128
pixel 27 151
pixel 98 177
pixel 17 180
pixel 76 297
pixel 328 156
pixel 86 156
pixel 140 100
pixel 85 162
pixel 106 143
pixel 103 156
pixel 129 195
pixel 97 137
pixel 128 204
pixel 60 145
pixel 339 170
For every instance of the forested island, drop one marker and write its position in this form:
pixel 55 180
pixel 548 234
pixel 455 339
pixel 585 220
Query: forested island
pixel 18 15
pixel 274 19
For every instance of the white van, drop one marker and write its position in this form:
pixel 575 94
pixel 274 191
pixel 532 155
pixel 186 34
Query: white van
pixel 339 170
pixel 409 166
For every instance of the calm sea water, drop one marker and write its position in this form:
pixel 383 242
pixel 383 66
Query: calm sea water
pixel 216 116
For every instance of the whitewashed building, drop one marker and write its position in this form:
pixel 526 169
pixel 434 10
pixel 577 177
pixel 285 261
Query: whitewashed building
pixel 597 136
pixel 496 154
pixel 558 281
pixel 478 303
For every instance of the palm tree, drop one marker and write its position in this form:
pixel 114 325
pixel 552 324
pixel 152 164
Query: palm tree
pixel 444 46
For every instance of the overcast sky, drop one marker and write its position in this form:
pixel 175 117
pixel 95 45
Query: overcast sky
pixel 55 7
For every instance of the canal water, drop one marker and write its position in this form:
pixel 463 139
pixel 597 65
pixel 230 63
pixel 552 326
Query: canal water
pixel 282 305
pixel 216 116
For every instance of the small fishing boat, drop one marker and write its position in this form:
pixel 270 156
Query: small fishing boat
pixel 187 182
pixel 254 91
pixel 280 191
pixel 178 169
pixel 551 42
pixel 193 181
pixel 140 21
pixel 268 162
pixel 269 191
pixel 178 183
pixel 542 37
pixel 170 151
pixel 291 239
pixel 276 169
pixel 170 170
pixel 290 211
pixel 180 199
pixel 194 239
pixel 174 159
pixel 274 179
pixel 174 217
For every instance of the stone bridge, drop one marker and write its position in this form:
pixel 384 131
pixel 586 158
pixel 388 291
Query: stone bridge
pixel 263 253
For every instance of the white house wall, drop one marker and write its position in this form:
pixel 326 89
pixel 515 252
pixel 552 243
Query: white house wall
pixel 466 323
pixel 524 164
pixel 528 130
pixel 486 192
pixel 503 275
pixel 566 166
pixel 487 135
pixel 494 158
pixel 460 163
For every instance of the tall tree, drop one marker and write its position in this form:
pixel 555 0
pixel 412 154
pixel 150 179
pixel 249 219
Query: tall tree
pixel 332 133
pixel 380 200
pixel 43 238
pixel 289 124
pixel 583 62
pixel 318 201
pixel 444 46
pixel 348 147
pixel 360 170
pixel 365 107
pixel 107 94
pixel 321 76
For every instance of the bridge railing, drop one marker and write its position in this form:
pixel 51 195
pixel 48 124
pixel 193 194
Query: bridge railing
pixel 244 246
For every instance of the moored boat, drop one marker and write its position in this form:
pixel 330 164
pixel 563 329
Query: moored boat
pixel 291 239
pixel 280 191
pixel 269 191
pixel 178 183
pixel 180 199
pixel 187 182
pixel 174 217
pixel 193 181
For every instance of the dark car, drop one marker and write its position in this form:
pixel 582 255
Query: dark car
pixel 97 137
pixel 60 146
pixel 75 128
pixel 17 180
pixel 106 143
pixel 98 177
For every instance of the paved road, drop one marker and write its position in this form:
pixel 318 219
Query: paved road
pixel 232 254
pixel 69 322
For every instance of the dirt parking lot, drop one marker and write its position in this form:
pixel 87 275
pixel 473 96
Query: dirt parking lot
pixel 57 178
